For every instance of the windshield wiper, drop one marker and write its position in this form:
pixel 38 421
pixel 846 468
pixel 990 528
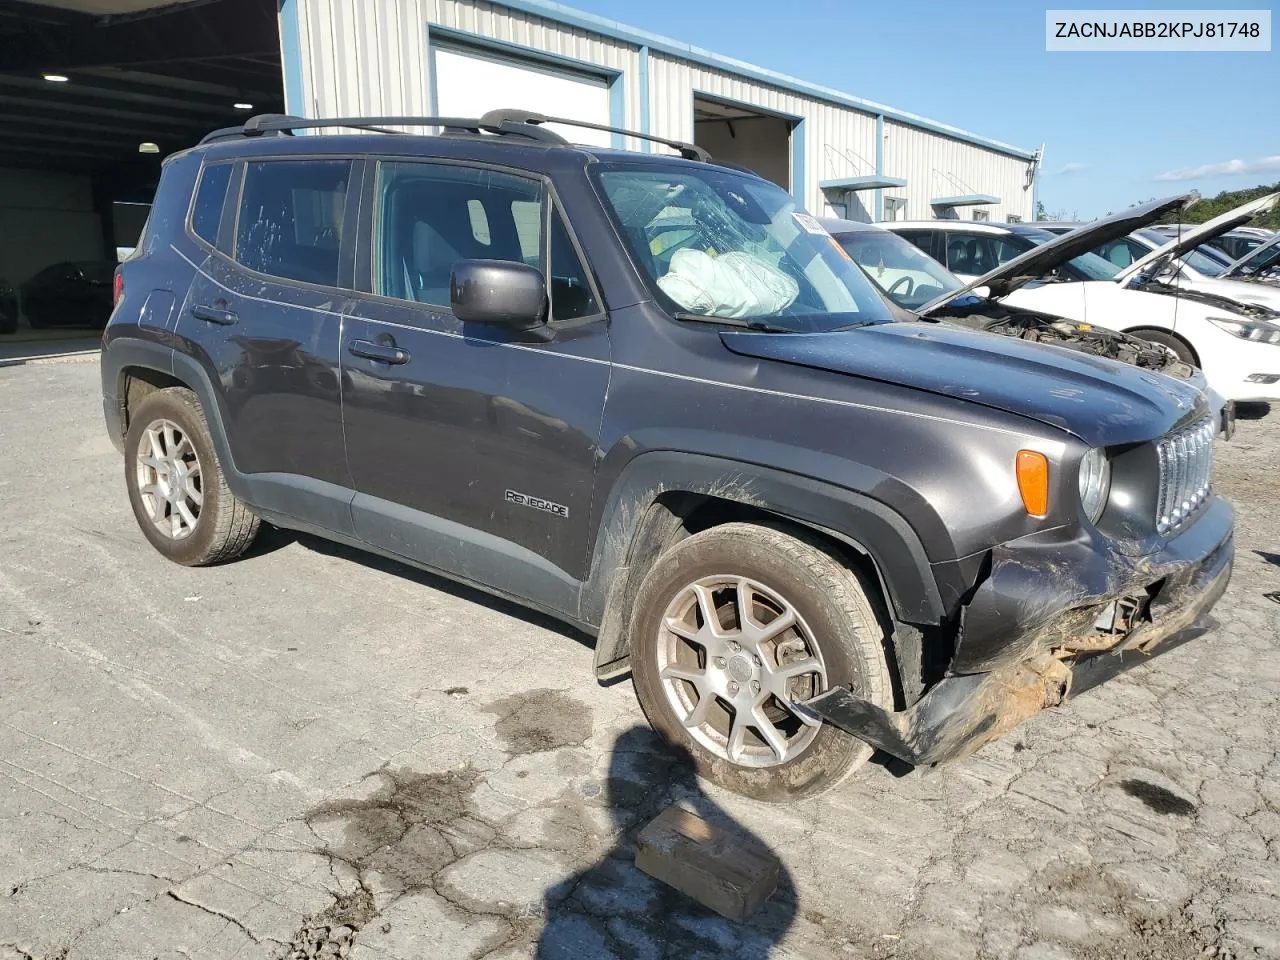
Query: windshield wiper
pixel 748 324
pixel 865 323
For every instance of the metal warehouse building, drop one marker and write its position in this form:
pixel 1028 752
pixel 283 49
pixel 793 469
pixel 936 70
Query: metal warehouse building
pixel 95 93
pixel 839 155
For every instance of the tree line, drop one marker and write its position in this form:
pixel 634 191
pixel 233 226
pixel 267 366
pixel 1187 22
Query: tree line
pixel 1206 209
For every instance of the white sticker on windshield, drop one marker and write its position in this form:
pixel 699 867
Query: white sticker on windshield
pixel 810 224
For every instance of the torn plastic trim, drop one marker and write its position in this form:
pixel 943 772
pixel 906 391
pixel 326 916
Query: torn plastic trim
pixel 1046 590
pixel 961 713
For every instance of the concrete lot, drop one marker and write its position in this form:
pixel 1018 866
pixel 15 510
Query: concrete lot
pixel 21 347
pixel 307 753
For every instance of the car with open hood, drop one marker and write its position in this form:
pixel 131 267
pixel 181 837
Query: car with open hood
pixel 1178 262
pixel 1236 345
pixel 916 282
pixel 1204 260
pixel 646 394
pixel 1232 245
pixel 1260 265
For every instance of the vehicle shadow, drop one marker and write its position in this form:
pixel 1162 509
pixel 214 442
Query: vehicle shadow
pixel 1252 410
pixel 613 910
pixel 271 538
pixel 1271 558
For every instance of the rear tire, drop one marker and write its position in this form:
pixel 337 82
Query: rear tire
pixel 1173 342
pixel 176 485
pixel 834 639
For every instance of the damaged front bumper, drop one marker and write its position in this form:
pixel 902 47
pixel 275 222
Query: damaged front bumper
pixel 1052 619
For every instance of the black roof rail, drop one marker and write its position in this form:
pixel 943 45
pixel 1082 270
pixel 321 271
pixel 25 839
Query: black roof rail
pixel 500 119
pixel 279 123
pixel 740 168
pixel 519 123
pixel 222 133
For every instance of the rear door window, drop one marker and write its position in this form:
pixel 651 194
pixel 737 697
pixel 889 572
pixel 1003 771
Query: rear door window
pixel 923 239
pixel 1121 252
pixel 974 254
pixel 290 223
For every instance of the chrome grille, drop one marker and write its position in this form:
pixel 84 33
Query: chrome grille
pixel 1186 465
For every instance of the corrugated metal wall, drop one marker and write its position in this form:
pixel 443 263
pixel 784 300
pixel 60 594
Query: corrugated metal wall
pixel 839 142
pixel 370 57
pixel 936 166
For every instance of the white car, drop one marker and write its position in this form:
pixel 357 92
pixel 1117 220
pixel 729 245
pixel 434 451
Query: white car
pixel 917 283
pixel 1237 345
pixel 1184 258
pixel 1233 245
pixel 1178 262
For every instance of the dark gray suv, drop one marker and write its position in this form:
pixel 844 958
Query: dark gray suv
pixel 649 395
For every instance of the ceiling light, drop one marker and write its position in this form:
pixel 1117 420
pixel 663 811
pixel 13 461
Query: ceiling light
pixel 148 147
pixel 56 77
pixel 244 106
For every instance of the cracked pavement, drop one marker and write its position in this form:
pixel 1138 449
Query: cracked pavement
pixel 311 754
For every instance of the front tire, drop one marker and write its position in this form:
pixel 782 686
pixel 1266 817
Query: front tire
pixel 718 682
pixel 176 485
pixel 1174 343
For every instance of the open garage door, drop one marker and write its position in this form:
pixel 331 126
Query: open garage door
pixel 735 133
pixel 470 82
pixel 93 95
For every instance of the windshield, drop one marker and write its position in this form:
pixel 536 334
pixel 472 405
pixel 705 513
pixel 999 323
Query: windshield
pixel 1090 265
pixel 722 245
pixel 1199 261
pixel 1264 263
pixel 910 278
pixel 1205 263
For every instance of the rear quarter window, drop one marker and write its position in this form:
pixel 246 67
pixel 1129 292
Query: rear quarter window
pixel 206 210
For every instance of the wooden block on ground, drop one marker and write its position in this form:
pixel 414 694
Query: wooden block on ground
pixel 728 873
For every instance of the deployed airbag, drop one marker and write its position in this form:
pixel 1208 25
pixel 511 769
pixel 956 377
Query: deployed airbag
pixel 730 285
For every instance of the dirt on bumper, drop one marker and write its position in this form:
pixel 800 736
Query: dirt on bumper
pixel 1030 640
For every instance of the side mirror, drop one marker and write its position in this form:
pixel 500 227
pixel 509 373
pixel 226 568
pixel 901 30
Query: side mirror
pixel 501 292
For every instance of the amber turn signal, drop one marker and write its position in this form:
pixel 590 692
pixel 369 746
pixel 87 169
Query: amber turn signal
pixel 1033 482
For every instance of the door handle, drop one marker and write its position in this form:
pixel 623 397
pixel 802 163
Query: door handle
pixel 213 314
pixel 382 352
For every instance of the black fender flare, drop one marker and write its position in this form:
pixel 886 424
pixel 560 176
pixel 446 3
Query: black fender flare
pixel 283 499
pixel 867 525
pixel 122 354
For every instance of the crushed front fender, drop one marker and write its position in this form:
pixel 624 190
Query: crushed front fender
pixel 1051 649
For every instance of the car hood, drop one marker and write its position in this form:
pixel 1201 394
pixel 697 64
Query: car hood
pixel 1191 239
pixel 1209 297
pixel 1040 261
pixel 1100 401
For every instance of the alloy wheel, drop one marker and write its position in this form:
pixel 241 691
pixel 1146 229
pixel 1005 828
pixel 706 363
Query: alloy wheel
pixel 170 481
pixel 733 655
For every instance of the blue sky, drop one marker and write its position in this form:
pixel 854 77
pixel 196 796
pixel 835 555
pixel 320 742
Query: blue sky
pixel 1114 124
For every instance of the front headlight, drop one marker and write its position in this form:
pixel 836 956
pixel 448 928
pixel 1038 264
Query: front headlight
pixel 1259 331
pixel 1095 483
